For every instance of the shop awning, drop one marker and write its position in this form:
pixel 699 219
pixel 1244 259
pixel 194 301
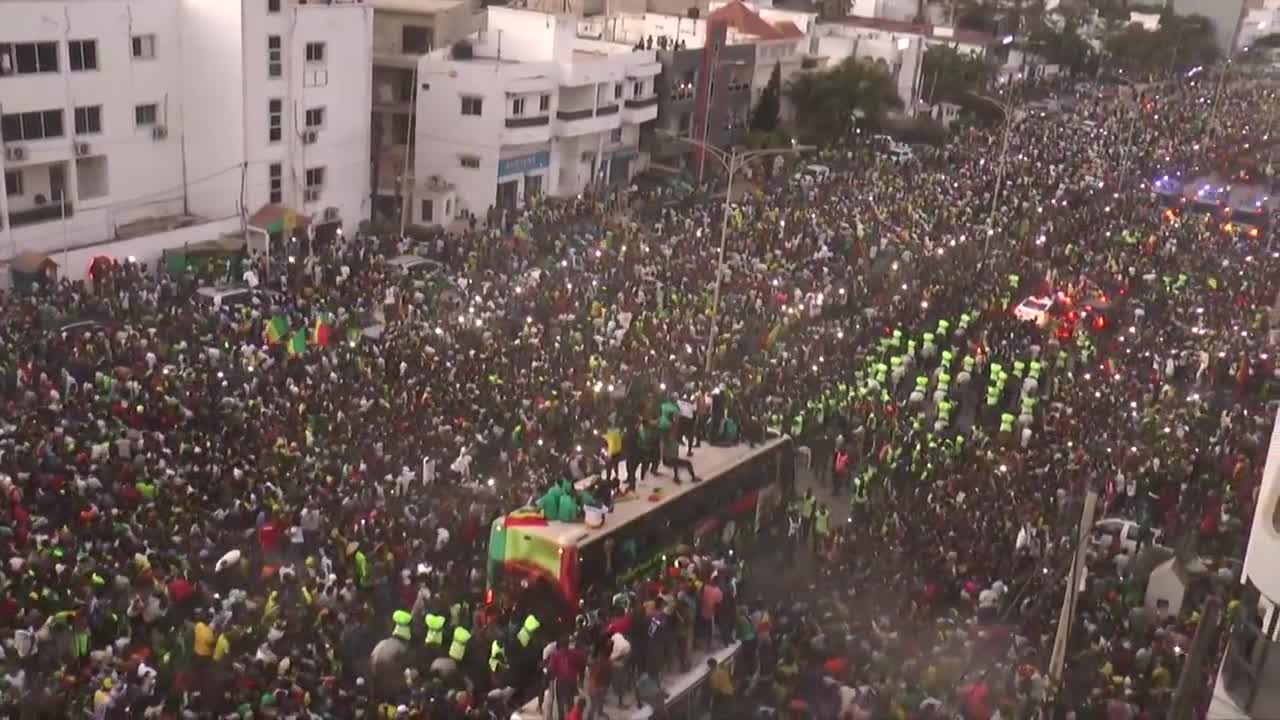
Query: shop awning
pixel 276 218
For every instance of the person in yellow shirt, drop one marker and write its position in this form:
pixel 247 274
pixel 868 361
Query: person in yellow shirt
pixel 204 640
pixel 222 647
pixel 722 690
pixel 613 445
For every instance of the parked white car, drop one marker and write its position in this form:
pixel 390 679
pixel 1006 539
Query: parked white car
pixel 1132 535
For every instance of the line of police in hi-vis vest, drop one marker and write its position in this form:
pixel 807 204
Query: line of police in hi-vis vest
pixel 457 652
pixel 934 371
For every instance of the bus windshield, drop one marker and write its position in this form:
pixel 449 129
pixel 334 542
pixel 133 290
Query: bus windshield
pixel 741 492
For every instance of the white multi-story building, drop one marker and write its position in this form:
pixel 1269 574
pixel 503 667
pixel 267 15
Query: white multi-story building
pixel 130 118
pixel 527 107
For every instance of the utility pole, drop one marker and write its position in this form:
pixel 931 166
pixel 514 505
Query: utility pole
pixel 406 177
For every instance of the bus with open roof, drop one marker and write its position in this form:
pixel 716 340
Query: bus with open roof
pixel 741 492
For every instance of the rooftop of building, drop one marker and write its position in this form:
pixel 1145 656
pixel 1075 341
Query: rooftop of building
pixel 747 21
pixel 419 7
pixel 903 27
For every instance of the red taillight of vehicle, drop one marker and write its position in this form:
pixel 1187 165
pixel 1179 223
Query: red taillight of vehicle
pixel 488 596
pixel 1099 323
pixel 1073 316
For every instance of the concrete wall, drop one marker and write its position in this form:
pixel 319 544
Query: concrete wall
pixel 212 135
pixel 343 86
pixel 147 249
pixel 448 23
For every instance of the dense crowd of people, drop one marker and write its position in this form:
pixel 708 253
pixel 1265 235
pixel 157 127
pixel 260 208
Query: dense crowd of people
pixel 204 518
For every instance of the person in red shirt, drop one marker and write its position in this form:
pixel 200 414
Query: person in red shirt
pixel 565 666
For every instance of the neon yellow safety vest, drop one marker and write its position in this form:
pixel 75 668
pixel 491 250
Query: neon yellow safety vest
pixel 525 635
pixel 458 646
pixel 402 620
pixel 435 629
pixel 495 655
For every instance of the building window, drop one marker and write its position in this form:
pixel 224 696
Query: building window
pixel 402 126
pixel 637 89
pixel 28 58
pixel 275 177
pixel 38 125
pixel 315 52
pixel 273 6
pixel 89 120
pixel 469 161
pixel 685 121
pixel 617 91
pixel 471 105
pixel 615 135
pixel 275 120
pixel 144 115
pixel 275 68
pixel 12 182
pixel 144 47
pixel 84 55
pixel 315 117
pixel 517 106
pixel 428 210
pixel 544 103
pixel 416 39
pixel 315 178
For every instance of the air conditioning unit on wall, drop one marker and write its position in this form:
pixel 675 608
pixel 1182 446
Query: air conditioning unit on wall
pixel 15 153
pixel 83 149
pixel 159 132
pixel 309 137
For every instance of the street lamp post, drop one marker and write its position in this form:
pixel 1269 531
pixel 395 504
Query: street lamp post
pixel 733 160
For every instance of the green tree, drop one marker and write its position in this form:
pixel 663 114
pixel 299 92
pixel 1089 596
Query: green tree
pixel 765 117
pixel 1064 47
pixel 1178 44
pixel 948 73
pixel 829 102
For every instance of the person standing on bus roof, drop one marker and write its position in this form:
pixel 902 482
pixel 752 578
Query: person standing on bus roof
pixel 671 456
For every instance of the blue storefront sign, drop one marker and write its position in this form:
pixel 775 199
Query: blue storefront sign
pixel 524 164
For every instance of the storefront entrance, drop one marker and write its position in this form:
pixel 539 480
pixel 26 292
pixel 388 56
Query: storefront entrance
pixel 507 193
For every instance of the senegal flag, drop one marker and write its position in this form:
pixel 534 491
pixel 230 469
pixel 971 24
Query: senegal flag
pixel 322 330
pixel 298 343
pixel 527 516
pixel 277 329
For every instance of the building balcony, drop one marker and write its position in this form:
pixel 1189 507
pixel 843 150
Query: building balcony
pixel 641 72
pixel 584 122
pixel 524 122
pixel 522 130
pixel 640 110
pixel 1249 678
pixel 569 115
pixel 41 214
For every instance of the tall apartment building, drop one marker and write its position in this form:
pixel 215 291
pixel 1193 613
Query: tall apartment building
pixel 526 107
pixel 123 118
pixel 1248 684
pixel 403 31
